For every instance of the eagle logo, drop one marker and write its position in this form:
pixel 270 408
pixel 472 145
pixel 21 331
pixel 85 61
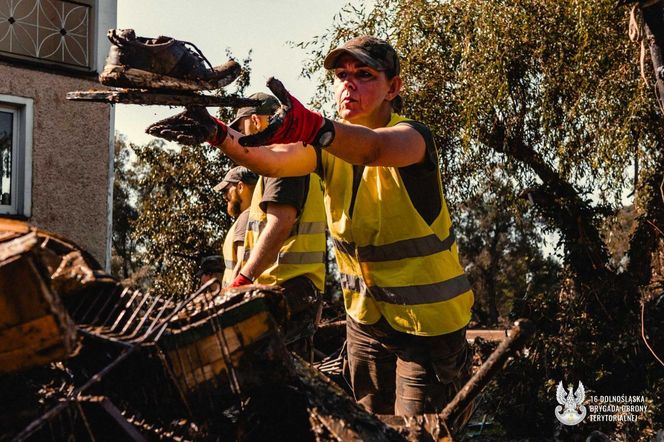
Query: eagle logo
pixel 571 410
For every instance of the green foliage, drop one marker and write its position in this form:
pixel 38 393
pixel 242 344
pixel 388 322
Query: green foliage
pixel 500 241
pixel 560 76
pixel 167 216
pixel 541 99
pixel 124 212
pixel 181 219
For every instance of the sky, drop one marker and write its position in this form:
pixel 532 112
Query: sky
pixel 264 26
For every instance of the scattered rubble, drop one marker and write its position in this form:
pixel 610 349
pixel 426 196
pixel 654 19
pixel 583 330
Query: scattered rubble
pixel 116 363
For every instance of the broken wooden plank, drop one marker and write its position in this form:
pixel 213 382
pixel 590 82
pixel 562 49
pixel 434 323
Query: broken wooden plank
pixel 160 98
pixel 338 328
pixel 442 427
pixel 488 335
pixel 519 335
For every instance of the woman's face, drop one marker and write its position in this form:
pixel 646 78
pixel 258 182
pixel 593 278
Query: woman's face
pixel 360 91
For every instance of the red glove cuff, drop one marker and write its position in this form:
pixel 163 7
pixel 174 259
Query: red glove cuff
pixel 300 124
pixel 241 280
pixel 220 135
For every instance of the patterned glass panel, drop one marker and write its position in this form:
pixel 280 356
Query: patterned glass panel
pixel 51 30
pixel 6 141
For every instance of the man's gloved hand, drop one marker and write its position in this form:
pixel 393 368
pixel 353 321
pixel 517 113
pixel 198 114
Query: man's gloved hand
pixel 240 280
pixel 290 124
pixel 193 126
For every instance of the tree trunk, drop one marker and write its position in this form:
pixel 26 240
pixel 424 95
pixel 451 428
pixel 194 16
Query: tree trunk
pixel 653 17
pixel 492 273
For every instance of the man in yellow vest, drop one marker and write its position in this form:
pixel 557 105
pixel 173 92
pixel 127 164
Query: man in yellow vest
pixel 406 295
pixel 237 188
pixel 284 242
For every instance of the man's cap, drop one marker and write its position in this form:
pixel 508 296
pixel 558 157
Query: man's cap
pixel 234 176
pixel 210 264
pixel 268 105
pixel 372 51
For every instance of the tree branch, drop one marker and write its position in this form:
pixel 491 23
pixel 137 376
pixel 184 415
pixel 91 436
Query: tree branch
pixel 559 202
pixel 643 241
pixel 653 18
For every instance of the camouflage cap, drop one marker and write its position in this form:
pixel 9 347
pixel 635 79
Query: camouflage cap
pixel 372 51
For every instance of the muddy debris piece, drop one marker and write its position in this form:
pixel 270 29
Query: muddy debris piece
pixel 161 71
pixel 160 98
pixel 161 63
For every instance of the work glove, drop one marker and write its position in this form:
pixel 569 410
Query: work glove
pixel 193 126
pixel 291 123
pixel 241 280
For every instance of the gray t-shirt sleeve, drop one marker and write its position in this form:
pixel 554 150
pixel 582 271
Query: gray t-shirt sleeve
pixel 241 227
pixel 292 191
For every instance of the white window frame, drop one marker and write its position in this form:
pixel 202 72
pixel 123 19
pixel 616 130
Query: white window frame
pixel 21 179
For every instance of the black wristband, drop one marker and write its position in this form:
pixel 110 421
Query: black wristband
pixel 325 135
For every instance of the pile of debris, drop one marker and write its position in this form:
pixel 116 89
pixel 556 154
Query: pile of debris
pixel 82 356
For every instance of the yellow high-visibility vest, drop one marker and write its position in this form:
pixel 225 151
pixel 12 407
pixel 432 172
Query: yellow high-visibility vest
pixel 303 252
pixel 392 263
pixel 230 256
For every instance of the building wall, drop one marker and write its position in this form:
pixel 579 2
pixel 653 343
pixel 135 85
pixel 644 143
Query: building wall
pixel 70 156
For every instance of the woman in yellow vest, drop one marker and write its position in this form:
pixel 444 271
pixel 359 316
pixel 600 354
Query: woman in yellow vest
pixel 406 295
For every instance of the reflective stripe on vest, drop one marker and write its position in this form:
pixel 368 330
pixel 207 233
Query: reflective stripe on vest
pixel 304 251
pixel 407 248
pixel 295 257
pixel 392 263
pixel 305 228
pixel 410 295
pixel 229 255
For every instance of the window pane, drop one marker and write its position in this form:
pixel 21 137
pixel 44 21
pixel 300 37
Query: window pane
pixel 6 137
pixel 48 30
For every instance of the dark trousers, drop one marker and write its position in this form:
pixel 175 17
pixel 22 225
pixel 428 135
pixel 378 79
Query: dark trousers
pixel 392 372
pixel 305 306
